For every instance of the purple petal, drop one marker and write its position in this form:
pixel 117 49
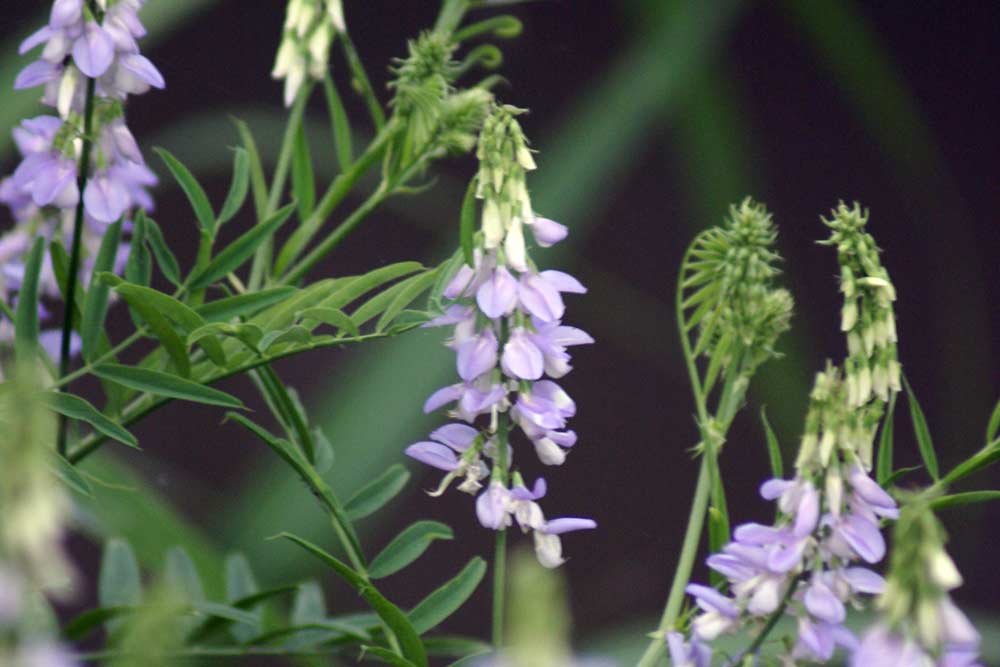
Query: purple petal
pixel 477 355
pixel 868 489
pixel 565 439
pixel 65 13
pixel 784 559
pixel 498 295
pixel 807 512
pixel 710 599
pixel 55 184
pixel 563 282
pixel 864 537
pixel 567 525
pixel 34 39
pixel 456 286
pixel 491 507
pixel 823 604
pixel 817 638
pixel 863 580
pixel 93 51
pixel 36 74
pixel 456 436
pixel 540 298
pixel 522 358
pixel 105 198
pixel 442 396
pixel 522 493
pixel 773 488
pixel 566 336
pixel 755 533
pixel 433 454
pixel 730 566
pixel 548 232
pixel 143 69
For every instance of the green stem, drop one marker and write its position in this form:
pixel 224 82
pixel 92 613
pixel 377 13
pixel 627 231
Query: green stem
pixel 685 564
pixel 499 585
pixel 74 257
pixel 363 83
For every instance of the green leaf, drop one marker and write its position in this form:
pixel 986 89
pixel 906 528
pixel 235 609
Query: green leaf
pixel 240 250
pixel 407 547
pixel 249 334
pixel 374 495
pixel 413 287
pixel 987 456
pixel 223 310
pixel 303 180
pixel 339 124
pixel 119 583
pixel 333 317
pixel 994 424
pixel 258 182
pixel 165 258
pixel 922 433
pixel 309 604
pixel 295 334
pixel 139 298
pixel 74 407
pixel 883 466
pixel 351 288
pixel 446 600
pixel 70 476
pixel 397 621
pixel 165 384
pixel 195 193
pixel 773 448
pixel 222 611
pixel 967 498
pixel 86 622
pixel 455 647
pixel 26 315
pixel 139 266
pixel 471 660
pixel 241 585
pixel 238 188
pixel 467 227
pixel 384 655
pixel 182 576
pixel 324 451
pixel 898 474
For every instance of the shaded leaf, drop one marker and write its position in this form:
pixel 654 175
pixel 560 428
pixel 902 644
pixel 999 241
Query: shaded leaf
pixel 240 250
pixel 333 317
pixel 119 583
pixel 71 476
pixel 994 424
pixel 397 621
pixel 447 599
pixel 238 188
pixel 258 182
pixel 165 258
pixel 467 226
pixel 883 466
pixel 773 448
pixel 981 459
pixel 374 495
pixel 413 287
pixel 195 193
pixel 967 498
pixel 165 384
pixel 242 305
pixel 385 655
pixel 408 546
pixel 303 180
pixel 74 407
pixel 923 434
pixel 183 576
pixel 95 307
pixel 339 124
pixel 26 315
pixel 86 622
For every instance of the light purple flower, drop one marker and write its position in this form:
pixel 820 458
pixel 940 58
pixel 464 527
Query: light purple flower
pixel 434 454
pixel 105 198
pixel 477 355
pixel 548 232
pixel 687 654
pixel 492 507
pixel 521 357
pixel 497 296
pixel 94 50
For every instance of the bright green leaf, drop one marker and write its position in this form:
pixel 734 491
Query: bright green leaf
pixel 922 433
pixel 303 180
pixel 74 407
pixel 238 188
pixel 414 287
pixel 883 466
pixel 242 305
pixel 447 599
pixel 374 495
pixel 165 384
pixel 240 250
pixel 967 498
pixel 339 124
pixel 333 317
pixel 467 227
pixel 773 448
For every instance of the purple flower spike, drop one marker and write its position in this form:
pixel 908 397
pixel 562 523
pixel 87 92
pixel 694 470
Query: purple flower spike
pixel 498 295
pixel 433 454
pixel 548 232
pixel 94 51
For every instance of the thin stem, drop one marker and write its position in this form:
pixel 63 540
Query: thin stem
pixel 689 549
pixel 74 257
pixel 499 585
pixel 361 77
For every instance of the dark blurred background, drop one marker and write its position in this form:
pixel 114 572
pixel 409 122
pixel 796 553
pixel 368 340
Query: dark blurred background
pixel 650 118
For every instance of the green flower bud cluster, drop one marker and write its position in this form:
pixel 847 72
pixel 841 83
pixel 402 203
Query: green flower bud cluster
pixel 867 318
pixel 436 117
pixel 310 26
pixel 834 427
pixel 921 573
pixel 738 265
pixel 504 158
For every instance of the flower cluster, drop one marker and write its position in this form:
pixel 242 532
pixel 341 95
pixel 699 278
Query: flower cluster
pixel 867 317
pixel 35 510
pixel 811 562
pixel 310 27
pixel 807 563
pixel 508 336
pixel 919 625
pixel 86 47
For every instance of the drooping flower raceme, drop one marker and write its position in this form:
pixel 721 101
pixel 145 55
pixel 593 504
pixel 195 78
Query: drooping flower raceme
pixel 83 44
pixel 812 562
pixel 310 27
pixel 919 624
pixel 510 345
